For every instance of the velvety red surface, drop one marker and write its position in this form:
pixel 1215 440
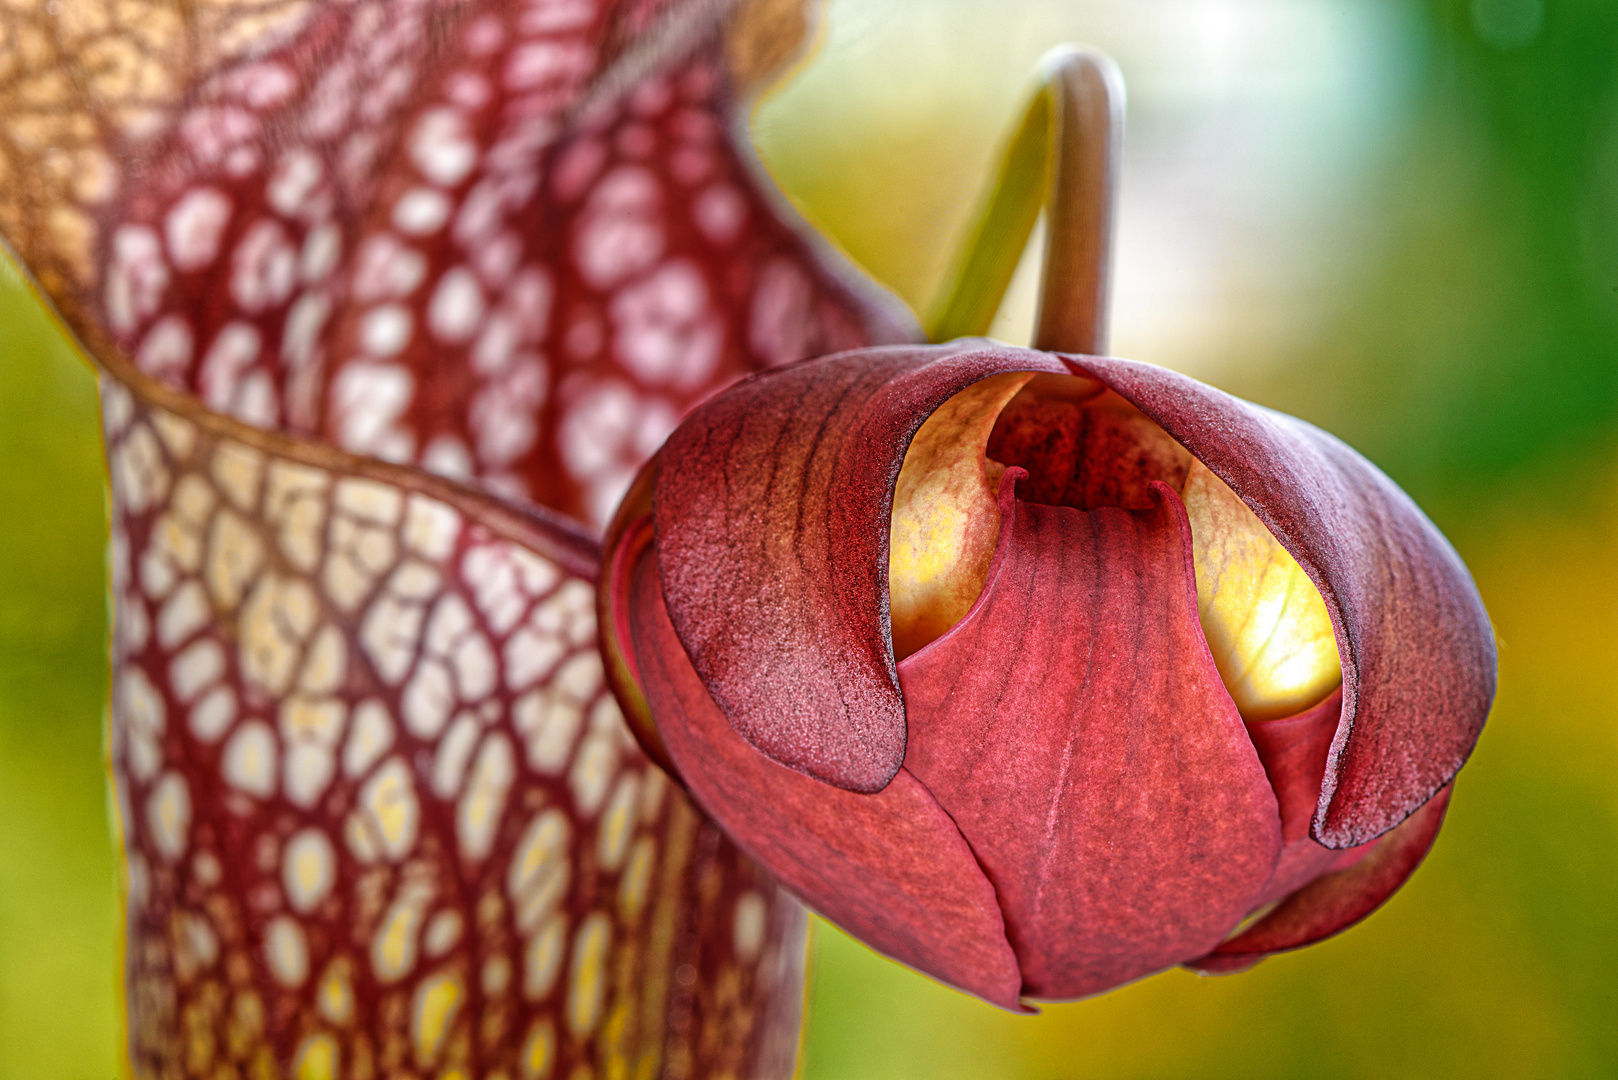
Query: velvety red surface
pixel 892 868
pixel 772 506
pixel 1075 728
pixel 1417 650
pixel 1073 725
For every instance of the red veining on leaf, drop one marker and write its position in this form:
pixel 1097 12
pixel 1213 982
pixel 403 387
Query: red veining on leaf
pixel 393 226
pixel 379 809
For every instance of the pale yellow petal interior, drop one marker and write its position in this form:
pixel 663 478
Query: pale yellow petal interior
pixel 1265 622
pixel 946 520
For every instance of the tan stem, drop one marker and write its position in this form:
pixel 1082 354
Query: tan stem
pixel 1087 138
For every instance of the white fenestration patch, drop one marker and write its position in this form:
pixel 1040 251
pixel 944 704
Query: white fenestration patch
pixel 430 528
pixel 443 932
pixel 249 760
pixel 478 814
pixel 456 309
pixel 454 753
pixel 505 579
pixel 185 613
pixel 394 947
pixel 385 269
pixel 549 63
pixel 212 716
pixel 263 268
pixel 235 555
pixel 441 147
pixel 428 699
pixel 666 331
pixel 587 980
pixel 541 868
pixel 542 960
pixel 165 351
pixel 503 412
pixel 325 663
pixel 233 353
pixel 310 728
pixel 392 627
pixel 369 399
pixel 389 809
pixel 294 181
pixel 138 472
pixel 322 248
pixel 237 469
pixel 286 952
pixel 720 213
pixel 369 738
pixel 385 330
pixel 620 232
pixel 136 277
pixel 617 824
pixel 748 926
pixel 168 816
pixel 277 619
pixel 421 211
pixel 194 226
pixel 778 324
pixel 295 505
pixel 308 870
pixel 144 720
pixel 195 669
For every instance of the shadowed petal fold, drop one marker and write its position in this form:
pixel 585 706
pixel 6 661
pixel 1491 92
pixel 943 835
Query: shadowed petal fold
pixel 930 905
pixel 1416 647
pixel 772 510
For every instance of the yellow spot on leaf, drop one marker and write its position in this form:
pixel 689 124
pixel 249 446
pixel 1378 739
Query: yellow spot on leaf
pixel 316 1059
pixel 539 1051
pixel 588 983
pixel 438 999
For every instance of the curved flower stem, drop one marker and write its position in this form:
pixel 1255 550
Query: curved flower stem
pixel 1063 158
pixel 1088 140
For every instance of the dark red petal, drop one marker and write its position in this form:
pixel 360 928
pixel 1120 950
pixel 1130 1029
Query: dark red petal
pixel 1075 728
pixel 1335 901
pixel 772 508
pixel 1294 751
pixel 1416 646
pixel 891 868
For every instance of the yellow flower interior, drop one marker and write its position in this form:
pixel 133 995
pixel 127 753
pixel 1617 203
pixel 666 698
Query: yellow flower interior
pixel 1265 622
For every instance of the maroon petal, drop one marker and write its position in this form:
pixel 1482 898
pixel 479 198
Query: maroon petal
pixel 1294 752
pixel 1075 728
pixel 1334 902
pixel 772 509
pixel 1415 642
pixel 891 868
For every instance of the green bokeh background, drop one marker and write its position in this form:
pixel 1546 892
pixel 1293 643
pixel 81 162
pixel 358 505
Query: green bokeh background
pixel 1464 335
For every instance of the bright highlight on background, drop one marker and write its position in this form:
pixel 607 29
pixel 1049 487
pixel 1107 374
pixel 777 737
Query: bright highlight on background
pixel 1398 218
pixel 1257 131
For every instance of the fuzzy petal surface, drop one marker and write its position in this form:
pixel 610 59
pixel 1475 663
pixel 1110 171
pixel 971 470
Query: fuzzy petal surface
pixel 890 867
pixel 1416 646
pixel 1075 727
pixel 772 511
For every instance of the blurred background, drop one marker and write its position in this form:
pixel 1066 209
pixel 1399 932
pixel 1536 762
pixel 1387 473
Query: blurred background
pixel 1395 218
